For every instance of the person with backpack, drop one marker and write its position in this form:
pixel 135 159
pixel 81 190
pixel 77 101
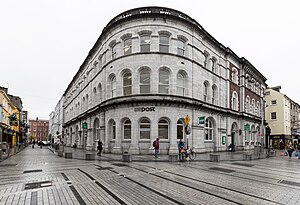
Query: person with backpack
pixel 156 147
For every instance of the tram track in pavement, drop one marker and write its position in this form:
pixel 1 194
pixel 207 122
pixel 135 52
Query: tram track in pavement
pixel 207 183
pixel 173 181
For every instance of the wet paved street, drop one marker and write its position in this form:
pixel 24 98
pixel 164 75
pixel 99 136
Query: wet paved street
pixel 37 176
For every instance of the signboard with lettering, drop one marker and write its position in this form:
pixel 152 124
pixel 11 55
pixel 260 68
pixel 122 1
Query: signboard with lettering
pixel 247 127
pixel 201 120
pixel 144 109
pixel 84 125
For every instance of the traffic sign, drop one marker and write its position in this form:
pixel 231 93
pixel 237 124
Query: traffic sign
pixel 187 120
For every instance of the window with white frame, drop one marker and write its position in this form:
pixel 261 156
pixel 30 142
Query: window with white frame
pixel 113 51
pixel 127 83
pixel 181 47
pixel 247 104
pixel 273 116
pixel 234 101
pixel 214 65
pixel 145 43
pixel 214 95
pixel 164 43
pixel 144 129
pixel 258 108
pixel 163 85
pixel 127 46
pixel 208 130
pixel 163 129
pixel 113 129
pixel 180 84
pixel 253 106
pixel 127 129
pixel 113 86
pixel 206 58
pixel 99 92
pixel 144 81
pixel 235 75
pixel 205 91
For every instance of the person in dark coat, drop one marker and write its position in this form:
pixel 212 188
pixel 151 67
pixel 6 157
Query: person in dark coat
pixel 156 147
pixel 99 147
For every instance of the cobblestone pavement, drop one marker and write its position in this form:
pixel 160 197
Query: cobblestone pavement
pixel 37 176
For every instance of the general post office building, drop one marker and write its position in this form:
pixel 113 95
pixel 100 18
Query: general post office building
pixel 152 67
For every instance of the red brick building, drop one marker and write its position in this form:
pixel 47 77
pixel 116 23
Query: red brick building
pixel 39 129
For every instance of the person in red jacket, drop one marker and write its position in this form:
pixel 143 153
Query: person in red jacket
pixel 156 147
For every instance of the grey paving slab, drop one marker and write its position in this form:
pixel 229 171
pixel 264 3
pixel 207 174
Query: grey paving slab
pixel 146 181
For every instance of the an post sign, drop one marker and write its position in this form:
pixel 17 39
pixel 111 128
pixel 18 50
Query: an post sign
pixel 201 120
pixel 247 127
pixel 84 125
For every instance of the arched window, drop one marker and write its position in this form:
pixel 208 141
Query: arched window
pixel 127 129
pixel 113 51
pixel 145 43
pixel 144 81
pixel 247 105
pixel 127 83
pixel 258 108
pixel 213 64
pixel 113 129
pixel 208 130
pixel 163 86
pixel 234 101
pixel 206 58
pixel 127 46
pixel 99 92
pixel 163 129
pixel 113 85
pixel 164 43
pixel 180 129
pixel 253 107
pixel 180 84
pixel 205 91
pixel 214 95
pixel 144 129
pixel 234 76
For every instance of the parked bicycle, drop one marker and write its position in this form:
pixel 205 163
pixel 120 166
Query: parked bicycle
pixel 187 154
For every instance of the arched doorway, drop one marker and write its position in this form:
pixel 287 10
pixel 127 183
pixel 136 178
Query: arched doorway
pixel 96 132
pixel 234 134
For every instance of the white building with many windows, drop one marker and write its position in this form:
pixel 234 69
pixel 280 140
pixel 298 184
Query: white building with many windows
pixel 149 69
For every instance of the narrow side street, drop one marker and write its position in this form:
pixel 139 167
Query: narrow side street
pixel 37 176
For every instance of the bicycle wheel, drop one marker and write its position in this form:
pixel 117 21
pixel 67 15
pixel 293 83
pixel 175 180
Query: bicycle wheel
pixel 192 155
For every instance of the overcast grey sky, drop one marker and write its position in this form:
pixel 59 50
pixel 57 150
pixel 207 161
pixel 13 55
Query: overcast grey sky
pixel 44 42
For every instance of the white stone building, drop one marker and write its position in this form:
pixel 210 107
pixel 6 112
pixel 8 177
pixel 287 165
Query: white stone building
pixel 56 119
pixel 148 70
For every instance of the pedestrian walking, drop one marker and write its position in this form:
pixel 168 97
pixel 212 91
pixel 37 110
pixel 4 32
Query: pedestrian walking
pixel 290 150
pixel 99 147
pixel 33 143
pixel 181 150
pixel 156 147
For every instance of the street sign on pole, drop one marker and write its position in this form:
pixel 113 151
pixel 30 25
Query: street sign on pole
pixel 187 120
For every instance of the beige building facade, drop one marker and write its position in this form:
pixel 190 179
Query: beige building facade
pixel 282 116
